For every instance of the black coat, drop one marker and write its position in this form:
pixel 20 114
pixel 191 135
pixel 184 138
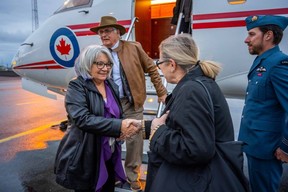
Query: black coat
pixel 183 147
pixel 77 159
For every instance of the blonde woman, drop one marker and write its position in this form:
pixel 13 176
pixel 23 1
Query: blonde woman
pixel 183 140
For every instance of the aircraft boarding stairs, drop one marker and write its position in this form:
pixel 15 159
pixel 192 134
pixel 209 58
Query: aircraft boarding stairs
pixel 151 107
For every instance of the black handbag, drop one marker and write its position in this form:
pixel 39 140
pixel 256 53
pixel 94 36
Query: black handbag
pixel 227 164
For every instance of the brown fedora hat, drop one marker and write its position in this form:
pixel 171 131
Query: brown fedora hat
pixel 109 21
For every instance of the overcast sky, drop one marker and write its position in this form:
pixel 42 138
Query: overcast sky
pixel 16 23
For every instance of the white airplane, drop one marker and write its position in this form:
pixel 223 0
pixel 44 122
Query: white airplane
pixel 46 58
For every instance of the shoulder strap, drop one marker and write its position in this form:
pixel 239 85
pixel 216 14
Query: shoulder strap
pixel 209 96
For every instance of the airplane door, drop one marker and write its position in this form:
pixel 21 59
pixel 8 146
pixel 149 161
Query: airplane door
pixel 160 26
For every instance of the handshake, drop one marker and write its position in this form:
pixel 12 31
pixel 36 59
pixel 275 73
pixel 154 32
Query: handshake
pixel 129 128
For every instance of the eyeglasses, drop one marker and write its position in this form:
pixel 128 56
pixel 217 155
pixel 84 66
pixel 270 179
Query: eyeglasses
pixel 160 62
pixel 100 64
pixel 106 31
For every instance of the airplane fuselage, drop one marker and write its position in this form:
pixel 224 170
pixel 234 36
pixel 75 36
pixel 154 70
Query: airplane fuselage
pixel 47 56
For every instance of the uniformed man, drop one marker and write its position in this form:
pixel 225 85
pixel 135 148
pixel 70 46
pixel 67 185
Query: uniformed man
pixel 264 123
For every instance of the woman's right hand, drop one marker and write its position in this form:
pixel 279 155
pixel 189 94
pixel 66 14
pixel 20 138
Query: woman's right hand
pixel 129 127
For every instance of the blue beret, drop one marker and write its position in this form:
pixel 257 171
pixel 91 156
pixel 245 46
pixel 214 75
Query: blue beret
pixel 260 20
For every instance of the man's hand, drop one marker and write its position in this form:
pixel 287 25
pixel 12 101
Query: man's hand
pixel 280 155
pixel 162 99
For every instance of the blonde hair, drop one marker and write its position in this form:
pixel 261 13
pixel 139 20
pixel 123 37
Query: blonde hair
pixel 184 51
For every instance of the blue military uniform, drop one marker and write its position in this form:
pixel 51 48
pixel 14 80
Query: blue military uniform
pixel 264 123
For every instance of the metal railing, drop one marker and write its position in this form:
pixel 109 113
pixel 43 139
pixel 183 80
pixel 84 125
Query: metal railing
pixel 131 28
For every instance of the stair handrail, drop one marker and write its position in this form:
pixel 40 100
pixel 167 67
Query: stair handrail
pixel 131 28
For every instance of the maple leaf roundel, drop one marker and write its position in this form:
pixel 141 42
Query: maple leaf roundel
pixel 64 47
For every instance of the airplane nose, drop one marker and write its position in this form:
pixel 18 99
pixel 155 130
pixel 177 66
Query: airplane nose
pixel 16 62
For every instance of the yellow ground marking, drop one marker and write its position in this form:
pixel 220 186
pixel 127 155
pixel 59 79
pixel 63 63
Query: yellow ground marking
pixel 43 127
pixel 28 103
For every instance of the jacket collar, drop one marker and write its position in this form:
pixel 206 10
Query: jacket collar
pixel 119 47
pixel 190 76
pixel 91 86
pixel 263 56
pixel 116 45
pixel 88 83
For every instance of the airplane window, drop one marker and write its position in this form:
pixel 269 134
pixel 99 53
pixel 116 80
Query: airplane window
pixel 73 4
pixel 234 2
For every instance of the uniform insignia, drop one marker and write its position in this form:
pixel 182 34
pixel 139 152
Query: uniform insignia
pixel 254 18
pixel 261 69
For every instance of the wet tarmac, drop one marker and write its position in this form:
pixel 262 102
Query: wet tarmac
pixel 29 137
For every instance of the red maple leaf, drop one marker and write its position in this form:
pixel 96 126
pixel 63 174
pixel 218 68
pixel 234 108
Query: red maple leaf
pixel 63 48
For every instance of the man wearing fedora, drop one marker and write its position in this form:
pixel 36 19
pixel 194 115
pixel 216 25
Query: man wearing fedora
pixel 264 123
pixel 130 63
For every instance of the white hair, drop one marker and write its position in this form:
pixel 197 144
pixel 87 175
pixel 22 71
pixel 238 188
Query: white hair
pixel 83 63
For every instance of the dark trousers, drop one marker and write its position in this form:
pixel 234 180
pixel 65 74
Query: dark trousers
pixel 264 175
pixel 109 186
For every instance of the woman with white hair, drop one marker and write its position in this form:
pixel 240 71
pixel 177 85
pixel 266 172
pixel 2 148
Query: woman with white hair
pixel 89 155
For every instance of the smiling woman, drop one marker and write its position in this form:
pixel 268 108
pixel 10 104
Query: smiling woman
pixel 89 155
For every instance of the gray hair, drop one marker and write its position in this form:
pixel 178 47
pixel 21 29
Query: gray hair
pixel 184 51
pixel 84 62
